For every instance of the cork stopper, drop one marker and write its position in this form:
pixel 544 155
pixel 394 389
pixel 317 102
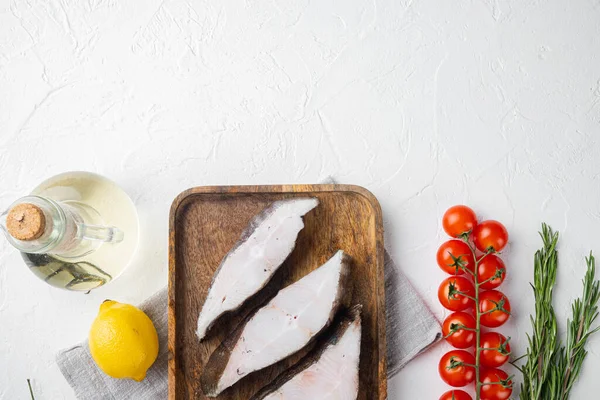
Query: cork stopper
pixel 26 221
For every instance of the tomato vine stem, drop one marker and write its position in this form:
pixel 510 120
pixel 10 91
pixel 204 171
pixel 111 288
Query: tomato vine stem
pixel 478 314
pixel 477 324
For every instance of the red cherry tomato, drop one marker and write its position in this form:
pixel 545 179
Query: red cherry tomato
pixel 495 391
pixel 487 268
pixel 452 249
pixel 493 358
pixel 462 338
pixel 490 234
pixel 456 395
pixel 456 301
pixel 487 302
pixel 452 372
pixel 458 220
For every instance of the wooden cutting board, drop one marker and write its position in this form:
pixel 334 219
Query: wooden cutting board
pixel 205 222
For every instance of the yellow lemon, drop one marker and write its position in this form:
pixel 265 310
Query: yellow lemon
pixel 123 341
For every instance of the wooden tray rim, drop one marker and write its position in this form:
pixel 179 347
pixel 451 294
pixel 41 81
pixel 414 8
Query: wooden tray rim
pixel 283 188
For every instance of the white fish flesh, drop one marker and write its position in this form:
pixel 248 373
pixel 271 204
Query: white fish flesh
pixel 285 325
pixel 247 268
pixel 328 373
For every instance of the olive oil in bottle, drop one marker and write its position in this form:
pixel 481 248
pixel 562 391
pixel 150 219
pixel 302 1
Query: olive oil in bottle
pixel 76 230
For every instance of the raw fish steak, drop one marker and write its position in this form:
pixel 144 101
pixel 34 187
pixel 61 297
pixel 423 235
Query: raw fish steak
pixel 330 372
pixel 263 247
pixel 285 325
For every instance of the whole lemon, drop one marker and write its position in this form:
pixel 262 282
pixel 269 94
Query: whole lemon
pixel 123 341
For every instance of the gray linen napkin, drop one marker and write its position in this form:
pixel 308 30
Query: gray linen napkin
pixel 410 325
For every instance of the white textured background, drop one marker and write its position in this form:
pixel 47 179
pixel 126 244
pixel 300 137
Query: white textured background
pixel 427 103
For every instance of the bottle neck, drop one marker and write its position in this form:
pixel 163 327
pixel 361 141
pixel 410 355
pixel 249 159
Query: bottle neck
pixel 34 224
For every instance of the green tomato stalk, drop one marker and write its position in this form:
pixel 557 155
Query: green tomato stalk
pixel 459 263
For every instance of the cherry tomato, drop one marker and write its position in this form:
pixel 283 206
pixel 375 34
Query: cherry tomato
pixel 487 268
pixel 456 302
pixel 457 375
pixel 493 358
pixel 490 234
pixel 487 302
pixel 462 338
pixel 456 395
pixel 458 220
pixel 495 391
pixel 457 249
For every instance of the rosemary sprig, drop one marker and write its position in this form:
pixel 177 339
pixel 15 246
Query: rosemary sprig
pixel 30 389
pixel 585 311
pixel 543 339
pixel 551 369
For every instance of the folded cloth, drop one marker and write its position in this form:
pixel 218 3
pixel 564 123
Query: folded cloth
pixel 410 325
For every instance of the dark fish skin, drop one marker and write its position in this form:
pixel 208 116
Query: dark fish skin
pixel 254 223
pixel 219 358
pixel 343 321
